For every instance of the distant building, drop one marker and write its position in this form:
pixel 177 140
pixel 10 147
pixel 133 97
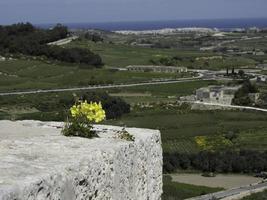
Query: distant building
pixel 216 94
pixel 258 53
pixel 253 30
pixel 262 78
pixel 152 68
pixel 2 58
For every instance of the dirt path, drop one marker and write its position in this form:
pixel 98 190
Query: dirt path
pixel 224 181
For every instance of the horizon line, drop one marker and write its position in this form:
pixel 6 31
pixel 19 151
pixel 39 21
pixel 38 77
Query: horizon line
pixel 159 20
pixel 136 21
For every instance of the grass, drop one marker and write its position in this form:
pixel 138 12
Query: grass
pixel 160 93
pixel 178 130
pixel 177 89
pixel 257 196
pixel 120 55
pixel 30 74
pixel 123 55
pixel 178 127
pixel 180 191
pixel 181 145
pixel 253 139
pixel 16 105
pixel 251 44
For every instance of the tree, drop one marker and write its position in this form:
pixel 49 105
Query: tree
pixel 233 70
pixel 26 39
pixel 241 73
pixel 93 37
pixel 241 96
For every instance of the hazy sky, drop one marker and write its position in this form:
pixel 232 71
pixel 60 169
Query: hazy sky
pixel 53 11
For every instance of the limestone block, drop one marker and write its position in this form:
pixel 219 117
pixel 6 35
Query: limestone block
pixel 38 163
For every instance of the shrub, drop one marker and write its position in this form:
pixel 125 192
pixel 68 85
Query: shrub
pixel 124 135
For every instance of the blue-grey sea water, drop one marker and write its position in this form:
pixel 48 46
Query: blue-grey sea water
pixel 224 24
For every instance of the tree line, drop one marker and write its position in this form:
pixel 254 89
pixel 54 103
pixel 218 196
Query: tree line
pixel 244 161
pixel 24 38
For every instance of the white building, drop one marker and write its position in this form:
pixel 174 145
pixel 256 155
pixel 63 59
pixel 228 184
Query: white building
pixel 216 94
pixel 2 58
pixel 153 68
pixel 262 78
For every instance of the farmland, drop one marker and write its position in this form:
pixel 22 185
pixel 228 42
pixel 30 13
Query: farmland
pixel 24 74
pixel 121 55
pixel 179 129
pixel 152 106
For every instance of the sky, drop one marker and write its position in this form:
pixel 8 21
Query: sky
pixel 71 11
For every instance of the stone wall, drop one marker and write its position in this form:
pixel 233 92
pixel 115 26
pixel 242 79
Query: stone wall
pixel 37 163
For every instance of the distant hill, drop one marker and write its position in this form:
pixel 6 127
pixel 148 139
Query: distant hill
pixel 24 38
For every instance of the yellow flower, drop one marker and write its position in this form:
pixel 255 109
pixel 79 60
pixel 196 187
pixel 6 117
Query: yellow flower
pixel 74 111
pixel 91 111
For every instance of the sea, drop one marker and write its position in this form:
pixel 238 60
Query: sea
pixel 222 24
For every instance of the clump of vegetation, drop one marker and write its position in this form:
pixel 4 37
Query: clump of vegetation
pixel 227 161
pixel 26 39
pixel 124 135
pixel 82 115
pixel 257 196
pixel 115 107
pixel 213 143
pixel 94 37
pixel 242 95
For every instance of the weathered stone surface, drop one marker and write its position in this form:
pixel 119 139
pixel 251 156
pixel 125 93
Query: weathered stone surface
pixel 37 163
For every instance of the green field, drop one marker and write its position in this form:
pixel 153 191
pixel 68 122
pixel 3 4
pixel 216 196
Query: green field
pixel 25 105
pixel 152 106
pixel 29 74
pixel 257 196
pixel 178 125
pixel 257 43
pixel 119 55
pixel 179 129
pixel 180 191
pixel 159 93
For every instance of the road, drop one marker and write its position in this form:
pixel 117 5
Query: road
pixel 240 191
pixel 182 80
pixel 63 41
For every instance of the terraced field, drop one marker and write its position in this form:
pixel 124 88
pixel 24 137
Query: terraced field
pixel 179 129
pixel 29 74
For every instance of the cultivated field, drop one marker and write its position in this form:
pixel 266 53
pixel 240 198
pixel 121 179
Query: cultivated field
pixel 179 129
pixel 29 74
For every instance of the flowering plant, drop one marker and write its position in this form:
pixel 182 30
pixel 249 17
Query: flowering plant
pixel 82 114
